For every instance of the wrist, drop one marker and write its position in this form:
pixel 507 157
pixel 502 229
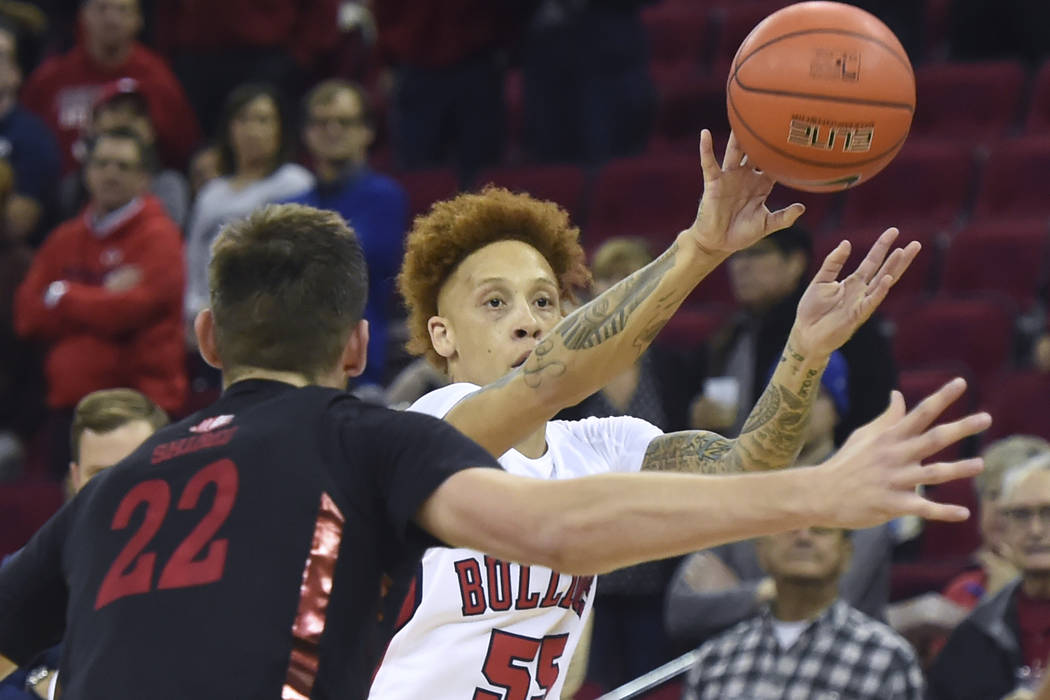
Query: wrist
pixel 55 291
pixel 701 251
pixel 802 351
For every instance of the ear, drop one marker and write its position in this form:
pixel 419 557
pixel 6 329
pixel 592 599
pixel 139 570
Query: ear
pixel 442 337
pixel 355 353
pixel 204 328
pixel 847 553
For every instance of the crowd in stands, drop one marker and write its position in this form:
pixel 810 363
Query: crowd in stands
pixel 131 131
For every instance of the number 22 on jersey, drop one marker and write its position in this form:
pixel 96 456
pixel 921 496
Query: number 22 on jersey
pixel 132 571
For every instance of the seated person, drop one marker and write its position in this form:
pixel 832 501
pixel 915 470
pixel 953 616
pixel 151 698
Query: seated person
pixel 1001 648
pixel 719 587
pixel 808 642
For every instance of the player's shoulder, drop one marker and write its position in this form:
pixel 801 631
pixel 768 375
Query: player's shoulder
pixel 592 427
pixel 439 402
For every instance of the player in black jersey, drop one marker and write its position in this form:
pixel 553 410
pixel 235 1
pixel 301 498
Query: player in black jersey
pixel 237 553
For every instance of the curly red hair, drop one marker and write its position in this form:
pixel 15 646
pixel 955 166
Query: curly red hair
pixel 442 238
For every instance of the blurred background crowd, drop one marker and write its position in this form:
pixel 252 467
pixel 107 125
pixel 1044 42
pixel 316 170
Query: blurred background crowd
pixel 132 130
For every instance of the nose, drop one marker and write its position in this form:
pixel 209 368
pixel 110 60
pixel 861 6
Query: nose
pixel 526 324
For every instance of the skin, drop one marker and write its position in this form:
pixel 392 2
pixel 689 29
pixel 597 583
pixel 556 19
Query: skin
pixel 110 28
pixel 255 134
pixel 114 174
pixel 761 275
pixel 1028 543
pixel 805 566
pixel 337 136
pixel 99 451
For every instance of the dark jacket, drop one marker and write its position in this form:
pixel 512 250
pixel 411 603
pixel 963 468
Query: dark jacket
pixel 983 654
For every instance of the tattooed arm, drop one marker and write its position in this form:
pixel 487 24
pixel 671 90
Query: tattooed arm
pixel 770 439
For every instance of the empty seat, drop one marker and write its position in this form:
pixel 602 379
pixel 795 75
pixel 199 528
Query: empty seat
pixel 916 280
pixel 1039 113
pixel 1004 257
pixel 678 35
pixel 687 104
pixel 973 101
pixel 425 187
pixel 977 333
pixel 690 327
pixel 735 22
pixel 1019 403
pixel 563 184
pixel 927 183
pixel 1013 181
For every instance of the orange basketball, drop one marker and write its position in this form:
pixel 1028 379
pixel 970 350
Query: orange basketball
pixel 821 96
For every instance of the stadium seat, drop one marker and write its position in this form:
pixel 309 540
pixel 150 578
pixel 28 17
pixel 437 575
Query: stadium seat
pixel 916 384
pixel 975 102
pixel 687 104
pixel 735 22
pixel 1004 257
pixel 690 327
pixel 1013 181
pixel 1039 113
pixel 1019 402
pixel 563 184
pixel 821 207
pixel 654 196
pixel 425 187
pixel 977 333
pixel 24 507
pixel 678 35
pixel 926 184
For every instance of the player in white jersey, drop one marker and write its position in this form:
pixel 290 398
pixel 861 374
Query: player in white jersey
pixel 483 278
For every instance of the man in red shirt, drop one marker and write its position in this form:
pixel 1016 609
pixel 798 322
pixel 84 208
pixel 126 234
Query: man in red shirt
pixel 63 89
pixel 105 292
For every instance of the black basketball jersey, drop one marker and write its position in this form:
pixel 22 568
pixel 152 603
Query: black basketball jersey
pixel 236 554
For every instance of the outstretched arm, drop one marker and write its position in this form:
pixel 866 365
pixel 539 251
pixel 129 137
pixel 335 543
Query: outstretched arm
pixel 829 313
pixel 603 338
pixel 600 523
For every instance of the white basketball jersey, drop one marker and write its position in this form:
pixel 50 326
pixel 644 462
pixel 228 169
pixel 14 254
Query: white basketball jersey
pixel 484 629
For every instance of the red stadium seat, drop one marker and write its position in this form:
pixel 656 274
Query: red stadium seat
pixel 927 183
pixel 916 384
pixel 1013 181
pixel 563 184
pixel 687 104
pixel 690 327
pixel 678 34
pixel 977 102
pixel 977 333
pixel 24 507
pixel 654 196
pixel 1019 403
pixel 1039 113
pixel 736 20
pixel 1004 257
pixel 821 207
pixel 425 187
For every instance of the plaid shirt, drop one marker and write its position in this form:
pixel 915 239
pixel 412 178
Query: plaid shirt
pixel 841 655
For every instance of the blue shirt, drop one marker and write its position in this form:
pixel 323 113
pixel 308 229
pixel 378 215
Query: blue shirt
pixel 30 148
pixel 376 207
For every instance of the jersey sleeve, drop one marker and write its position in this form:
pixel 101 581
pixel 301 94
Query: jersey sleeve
pixel 440 401
pixel 620 440
pixel 33 593
pixel 418 453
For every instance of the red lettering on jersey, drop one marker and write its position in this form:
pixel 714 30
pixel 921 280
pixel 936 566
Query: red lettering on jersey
pixel 549 598
pixel 470 586
pixel 500 597
pixel 570 593
pixel 182 446
pixel 527 600
pixel 579 598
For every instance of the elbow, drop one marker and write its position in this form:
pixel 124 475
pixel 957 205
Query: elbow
pixel 559 543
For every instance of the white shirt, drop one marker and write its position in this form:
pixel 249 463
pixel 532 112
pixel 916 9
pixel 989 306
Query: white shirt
pixel 489 630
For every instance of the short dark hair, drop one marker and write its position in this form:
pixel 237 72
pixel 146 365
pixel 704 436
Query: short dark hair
pixel 123 133
pixel 235 102
pixel 326 90
pixel 791 239
pixel 106 410
pixel 287 283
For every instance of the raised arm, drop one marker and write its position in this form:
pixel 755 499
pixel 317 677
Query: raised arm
pixel 829 313
pixel 601 339
pixel 600 523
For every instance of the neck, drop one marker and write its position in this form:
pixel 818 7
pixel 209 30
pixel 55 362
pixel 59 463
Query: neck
pixel 1036 584
pixel 332 170
pixel 535 445
pixel 803 600
pixel 335 380
pixel 815 452
pixel 252 170
pixel 109 56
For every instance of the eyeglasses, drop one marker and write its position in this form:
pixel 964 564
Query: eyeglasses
pixel 1024 516
pixel 124 166
pixel 341 122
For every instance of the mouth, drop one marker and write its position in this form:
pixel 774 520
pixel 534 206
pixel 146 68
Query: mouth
pixel 521 360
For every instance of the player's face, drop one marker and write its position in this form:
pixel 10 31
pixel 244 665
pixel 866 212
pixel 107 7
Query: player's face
pixel 1026 514
pixel 100 451
pixel 813 554
pixel 493 311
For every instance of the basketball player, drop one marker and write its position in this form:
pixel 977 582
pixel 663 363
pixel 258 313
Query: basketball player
pixel 237 553
pixel 483 278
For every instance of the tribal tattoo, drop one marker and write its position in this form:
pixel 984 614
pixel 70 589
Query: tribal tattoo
pixel 695 451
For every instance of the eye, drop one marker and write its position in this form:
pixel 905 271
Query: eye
pixel 494 302
pixel 544 302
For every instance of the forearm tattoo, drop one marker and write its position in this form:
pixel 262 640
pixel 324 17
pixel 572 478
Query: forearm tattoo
pixel 771 437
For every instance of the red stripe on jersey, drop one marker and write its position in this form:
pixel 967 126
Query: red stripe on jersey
pixel 314 594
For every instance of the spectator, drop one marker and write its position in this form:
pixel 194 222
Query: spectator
pixel 253 142
pixel 587 91
pixel 720 587
pixel 26 144
pixel 216 46
pixel 107 426
pixel 449 61
pixel 994 569
pixel 123 105
pixel 204 167
pixel 64 88
pixel 337 133
pixel 1005 641
pixel 767 281
pixel 21 382
pixel 808 643
pixel 104 292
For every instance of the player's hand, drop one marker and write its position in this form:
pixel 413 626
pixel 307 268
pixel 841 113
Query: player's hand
pixel 873 477
pixel 733 213
pixel 831 311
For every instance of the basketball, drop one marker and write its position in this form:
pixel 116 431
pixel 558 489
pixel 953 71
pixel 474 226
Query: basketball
pixel 821 96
